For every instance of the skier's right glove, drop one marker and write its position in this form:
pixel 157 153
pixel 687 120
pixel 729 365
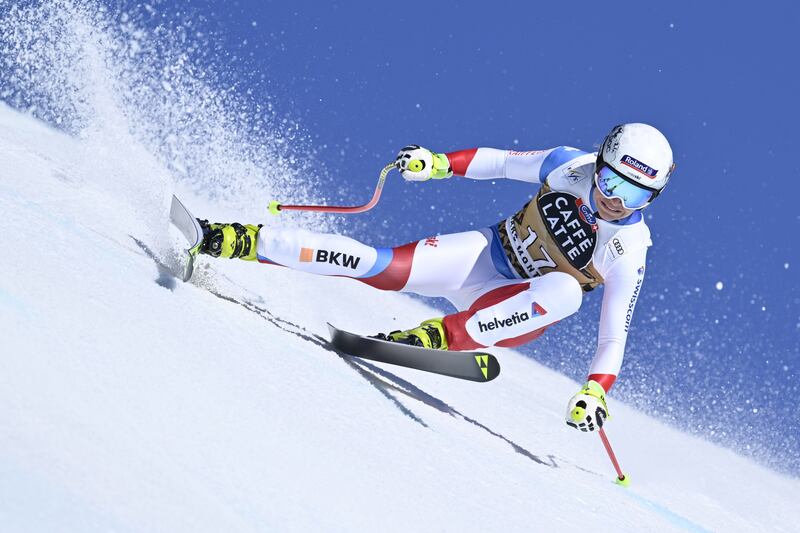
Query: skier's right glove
pixel 587 410
pixel 420 164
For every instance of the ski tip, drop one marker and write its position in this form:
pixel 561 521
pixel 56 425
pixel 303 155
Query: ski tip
pixel 188 270
pixel 175 207
pixel 336 335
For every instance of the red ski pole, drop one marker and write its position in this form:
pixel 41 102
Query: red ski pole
pixel 276 207
pixel 622 479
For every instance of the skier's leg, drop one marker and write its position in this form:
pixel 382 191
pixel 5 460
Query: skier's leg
pixel 432 267
pixel 501 312
pixel 510 313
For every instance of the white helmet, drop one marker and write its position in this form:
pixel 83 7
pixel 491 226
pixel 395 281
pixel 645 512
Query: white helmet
pixel 640 154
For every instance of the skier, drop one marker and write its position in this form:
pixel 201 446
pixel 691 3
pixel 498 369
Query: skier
pixel 510 281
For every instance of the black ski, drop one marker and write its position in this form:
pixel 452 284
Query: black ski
pixel 473 366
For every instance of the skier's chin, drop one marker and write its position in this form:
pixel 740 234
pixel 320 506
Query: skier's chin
pixel 608 212
pixel 612 214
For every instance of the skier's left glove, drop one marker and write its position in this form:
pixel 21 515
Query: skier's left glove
pixel 420 164
pixel 587 410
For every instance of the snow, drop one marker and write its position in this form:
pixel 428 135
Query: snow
pixel 133 402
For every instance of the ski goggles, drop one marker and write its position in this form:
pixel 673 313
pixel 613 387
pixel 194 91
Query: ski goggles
pixel 613 185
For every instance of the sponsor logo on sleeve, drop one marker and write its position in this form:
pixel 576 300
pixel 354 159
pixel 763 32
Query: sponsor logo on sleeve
pixel 527 152
pixel 432 241
pixel 574 175
pixel 616 247
pixel 632 302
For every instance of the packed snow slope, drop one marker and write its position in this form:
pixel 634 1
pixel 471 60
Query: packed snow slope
pixel 130 401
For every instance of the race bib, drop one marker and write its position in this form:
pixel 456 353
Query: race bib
pixel 555 231
pixel 571 226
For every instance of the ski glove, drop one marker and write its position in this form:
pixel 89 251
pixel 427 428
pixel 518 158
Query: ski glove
pixel 419 164
pixel 587 410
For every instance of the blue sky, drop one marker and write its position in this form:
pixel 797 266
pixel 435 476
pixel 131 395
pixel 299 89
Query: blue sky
pixel 365 79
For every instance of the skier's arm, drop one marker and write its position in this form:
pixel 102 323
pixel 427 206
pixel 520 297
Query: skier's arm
pixel 622 286
pixel 491 163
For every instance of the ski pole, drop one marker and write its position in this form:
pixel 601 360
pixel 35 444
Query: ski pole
pixel 276 207
pixel 622 479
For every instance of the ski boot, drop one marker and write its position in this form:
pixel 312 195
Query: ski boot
pixel 229 240
pixel 429 334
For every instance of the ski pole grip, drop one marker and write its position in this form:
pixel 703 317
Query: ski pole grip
pixel 274 207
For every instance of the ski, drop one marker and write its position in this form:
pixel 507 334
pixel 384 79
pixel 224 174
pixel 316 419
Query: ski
pixel 188 225
pixel 473 366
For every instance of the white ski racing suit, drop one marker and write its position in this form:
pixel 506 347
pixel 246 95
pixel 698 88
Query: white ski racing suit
pixel 510 281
